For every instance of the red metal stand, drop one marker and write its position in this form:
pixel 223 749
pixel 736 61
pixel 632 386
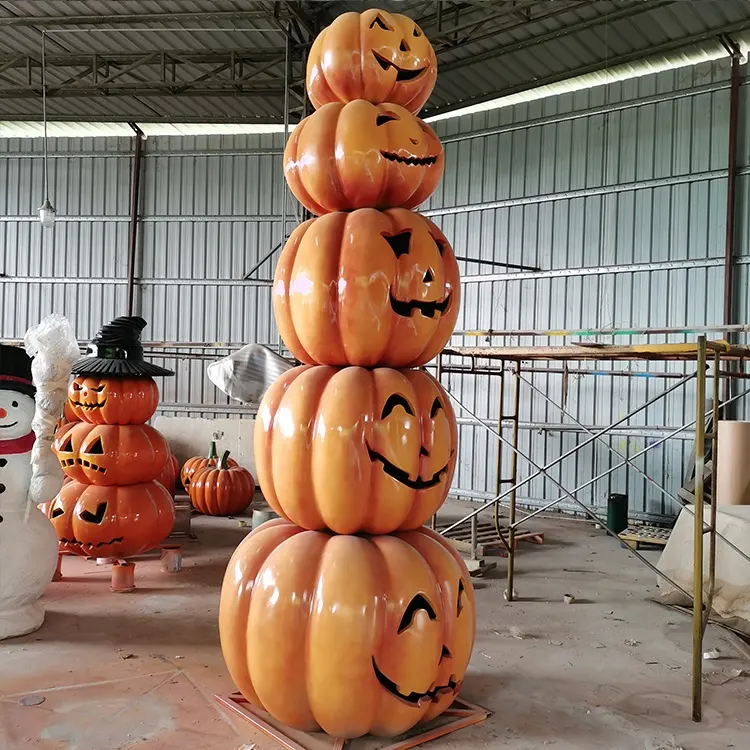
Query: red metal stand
pixel 460 713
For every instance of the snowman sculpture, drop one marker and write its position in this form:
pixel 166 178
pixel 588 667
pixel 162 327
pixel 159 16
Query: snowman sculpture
pixel 28 544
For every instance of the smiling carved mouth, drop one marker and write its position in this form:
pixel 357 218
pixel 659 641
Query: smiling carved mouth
pixel 403 477
pixel 402 74
pixel 88 545
pixel 82 462
pixel 412 161
pixel 81 405
pixel 428 309
pixel 413 698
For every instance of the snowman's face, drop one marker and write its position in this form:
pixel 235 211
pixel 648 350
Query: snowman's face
pixel 16 413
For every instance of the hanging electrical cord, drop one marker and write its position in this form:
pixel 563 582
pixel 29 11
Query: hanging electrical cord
pixel 47 212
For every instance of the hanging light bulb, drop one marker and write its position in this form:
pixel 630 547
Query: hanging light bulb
pixel 47 214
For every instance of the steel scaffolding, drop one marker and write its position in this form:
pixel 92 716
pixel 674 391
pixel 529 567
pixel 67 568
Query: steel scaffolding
pixel 505 361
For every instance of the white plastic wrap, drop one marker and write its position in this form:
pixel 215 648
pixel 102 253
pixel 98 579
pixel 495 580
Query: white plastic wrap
pixel 54 348
pixel 247 374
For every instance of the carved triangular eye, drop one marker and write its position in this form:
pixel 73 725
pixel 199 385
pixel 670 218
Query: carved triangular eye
pixel 436 407
pixel 67 447
pixel 399 243
pixel 461 594
pixel 379 22
pixel 87 515
pixel 440 245
pixel 58 511
pixel 383 119
pixel 417 603
pixel 96 448
pixel 393 401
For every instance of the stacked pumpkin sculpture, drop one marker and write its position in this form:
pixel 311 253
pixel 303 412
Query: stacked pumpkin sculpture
pixel 113 504
pixel 346 614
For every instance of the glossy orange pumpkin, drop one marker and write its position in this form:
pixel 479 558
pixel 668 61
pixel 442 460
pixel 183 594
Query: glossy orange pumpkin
pixel 195 463
pixel 113 400
pixel 374 55
pixel 349 634
pixel 362 155
pixel 169 474
pixel 355 450
pixel 118 522
pixel 221 490
pixel 110 454
pixel 367 288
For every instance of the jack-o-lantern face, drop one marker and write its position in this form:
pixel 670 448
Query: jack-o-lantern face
pixel 119 522
pixel 374 55
pixel 390 603
pixel 367 288
pixel 355 450
pixel 110 454
pixel 113 400
pixel 362 155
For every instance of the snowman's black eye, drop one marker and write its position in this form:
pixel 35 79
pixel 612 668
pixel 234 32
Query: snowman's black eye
pixel 14 404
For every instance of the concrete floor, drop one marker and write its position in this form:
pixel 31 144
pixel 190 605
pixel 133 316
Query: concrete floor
pixel 611 671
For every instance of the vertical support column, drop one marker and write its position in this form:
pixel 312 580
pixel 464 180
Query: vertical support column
pixel 700 453
pixel 509 594
pixel 714 458
pixel 135 194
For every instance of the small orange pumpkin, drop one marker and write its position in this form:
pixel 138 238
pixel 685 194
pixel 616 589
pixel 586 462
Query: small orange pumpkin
pixel 110 454
pixel 96 521
pixel 373 55
pixel 221 490
pixel 113 400
pixel 366 288
pixel 362 155
pixel 169 474
pixel 200 462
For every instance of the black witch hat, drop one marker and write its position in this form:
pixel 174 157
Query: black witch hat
pixel 15 370
pixel 116 351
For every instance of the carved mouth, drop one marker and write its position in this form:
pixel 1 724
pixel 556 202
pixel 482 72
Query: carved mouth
pixel 81 405
pixel 88 545
pixel 403 477
pixel 64 462
pixel 402 74
pixel 413 698
pixel 412 161
pixel 428 309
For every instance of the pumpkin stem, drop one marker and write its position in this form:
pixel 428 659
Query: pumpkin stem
pixel 212 450
pixel 223 461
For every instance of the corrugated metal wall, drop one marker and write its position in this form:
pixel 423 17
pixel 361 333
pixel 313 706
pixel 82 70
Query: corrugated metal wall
pixel 633 173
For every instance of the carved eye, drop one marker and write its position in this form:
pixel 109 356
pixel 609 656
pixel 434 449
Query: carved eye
pixel 445 654
pixel 396 400
pixel 378 21
pixel 461 594
pixel 417 603
pixel 399 243
pixel 440 245
pixel 99 389
pixel 67 446
pixel 76 385
pixel 416 32
pixel 436 407
pixel 58 511
pixel 383 119
pixel 87 515
pixel 95 448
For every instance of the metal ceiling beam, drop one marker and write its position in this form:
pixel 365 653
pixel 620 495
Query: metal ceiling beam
pixel 634 56
pixel 106 19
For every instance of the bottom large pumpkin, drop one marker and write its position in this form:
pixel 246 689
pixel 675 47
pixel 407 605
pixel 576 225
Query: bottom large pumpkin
pixel 111 521
pixel 348 634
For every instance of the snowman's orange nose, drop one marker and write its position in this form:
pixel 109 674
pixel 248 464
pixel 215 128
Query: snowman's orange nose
pixel 3 413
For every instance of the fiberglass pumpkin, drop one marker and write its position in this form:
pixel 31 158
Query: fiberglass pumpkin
pixel 400 608
pixel 168 476
pixel 366 288
pixel 110 454
pixel 110 521
pixel 113 400
pixel 196 463
pixel 221 490
pixel 362 155
pixel 355 450
pixel 374 55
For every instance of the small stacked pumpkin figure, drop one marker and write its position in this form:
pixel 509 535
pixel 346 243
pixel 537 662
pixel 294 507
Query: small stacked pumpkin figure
pixel 346 614
pixel 116 501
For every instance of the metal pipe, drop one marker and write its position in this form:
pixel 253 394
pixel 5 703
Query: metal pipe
pixel 510 592
pixel 713 531
pixel 135 192
pixel 458 369
pixel 542 470
pixel 700 453
pixel 267 256
pixel 602 331
pixel 496 263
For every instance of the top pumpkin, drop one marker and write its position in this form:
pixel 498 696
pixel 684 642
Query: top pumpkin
pixel 374 55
